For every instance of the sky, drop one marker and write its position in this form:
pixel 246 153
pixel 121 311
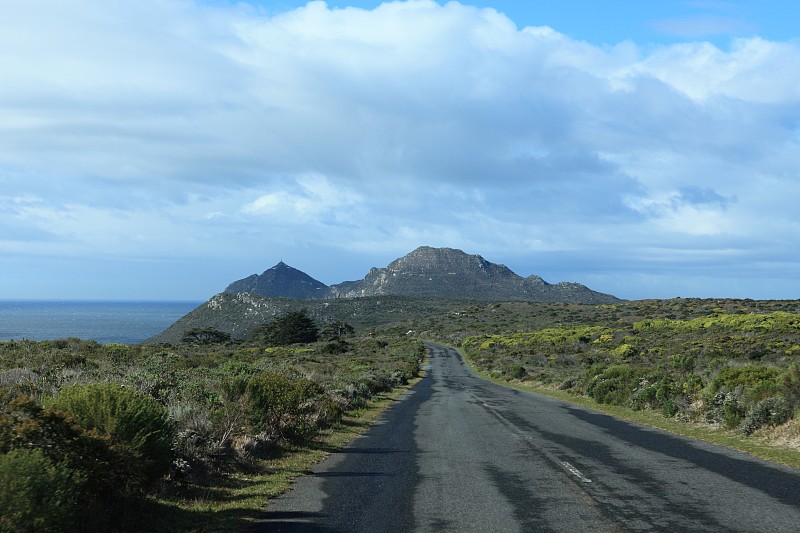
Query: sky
pixel 161 149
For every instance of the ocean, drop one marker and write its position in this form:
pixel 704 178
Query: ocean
pixel 103 321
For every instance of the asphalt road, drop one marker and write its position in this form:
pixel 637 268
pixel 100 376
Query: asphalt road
pixel 458 453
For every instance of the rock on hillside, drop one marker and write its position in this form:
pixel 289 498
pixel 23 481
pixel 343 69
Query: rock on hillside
pixel 281 281
pixel 447 273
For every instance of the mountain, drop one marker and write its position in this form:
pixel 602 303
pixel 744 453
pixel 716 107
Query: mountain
pixel 451 274
pixel 281 281
pixel 426 280
pixel 437 273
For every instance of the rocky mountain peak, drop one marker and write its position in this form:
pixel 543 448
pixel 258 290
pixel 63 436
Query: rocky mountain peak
pixel 281 281
pixel 427 272
pixel 451 274
pixel 444 260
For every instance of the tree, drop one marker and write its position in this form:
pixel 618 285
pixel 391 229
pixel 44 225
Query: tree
pixel 205 336
pixel 292 328
pixel 336 330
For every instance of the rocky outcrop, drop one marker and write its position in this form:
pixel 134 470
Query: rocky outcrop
pixel 447 273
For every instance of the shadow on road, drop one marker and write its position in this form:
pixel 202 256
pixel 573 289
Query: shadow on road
pixel 775 481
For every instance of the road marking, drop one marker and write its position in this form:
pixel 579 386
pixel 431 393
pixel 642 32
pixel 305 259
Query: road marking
pixel 521 435
pixel 575 472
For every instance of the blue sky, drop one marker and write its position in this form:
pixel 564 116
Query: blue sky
pixel 161 149
pixel 612 21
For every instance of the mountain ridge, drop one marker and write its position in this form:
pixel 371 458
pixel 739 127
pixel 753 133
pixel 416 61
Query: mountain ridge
pixel 427 280
pixel 426 272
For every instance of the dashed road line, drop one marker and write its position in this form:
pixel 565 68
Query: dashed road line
pixel 575 472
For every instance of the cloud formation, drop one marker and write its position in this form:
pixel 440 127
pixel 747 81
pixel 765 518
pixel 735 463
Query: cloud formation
pixel 171 129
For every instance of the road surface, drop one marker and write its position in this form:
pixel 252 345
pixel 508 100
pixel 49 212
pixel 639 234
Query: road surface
pixel 461 454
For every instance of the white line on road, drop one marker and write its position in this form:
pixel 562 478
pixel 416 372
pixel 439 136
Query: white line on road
pixel 575 472
pixel 524 437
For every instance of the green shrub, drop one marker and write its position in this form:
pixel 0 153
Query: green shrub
pixel 26 424
pixel 614 385
pixel 568 383
pixel 769 411
pixel 747 377
pixel 376 382
pixel 724 408
pixel 355 394
pixel 336 346
pixel 37 494
pixel 790 383
pixel 137 426
pixel 731 415
pixel 293 409
pixel 656 390
pixel 515 371
pixel 682 362
pixel 670 408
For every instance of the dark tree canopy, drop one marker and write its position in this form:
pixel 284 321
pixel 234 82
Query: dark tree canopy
pixel 205 336
pixel 292 328
pixel 336 330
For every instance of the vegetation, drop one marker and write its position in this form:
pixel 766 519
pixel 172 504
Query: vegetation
pixel 37 494
pixel 136 427
pixel 207 335
pixel 162 437
pixel 294 327
pixel 133 435
pixel 290 409
pixel 735 367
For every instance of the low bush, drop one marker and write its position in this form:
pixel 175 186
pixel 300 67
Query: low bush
pixel 515 371
pixel 37 494
pixel 137 427
pixel 614 385
pixel 24 424
pixel 790 383
pixel 724 408
pixel 749 378
pixel 569 383
pixel 336 346
pixel 293 409
pixel 731 415
pixel 769 411
pixel 670 408
pixel 654 391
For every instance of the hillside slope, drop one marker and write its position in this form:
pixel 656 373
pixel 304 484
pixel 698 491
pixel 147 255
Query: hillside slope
pixel 237 314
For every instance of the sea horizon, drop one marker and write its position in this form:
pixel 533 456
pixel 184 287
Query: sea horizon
pixel 105 321
pixel 101 300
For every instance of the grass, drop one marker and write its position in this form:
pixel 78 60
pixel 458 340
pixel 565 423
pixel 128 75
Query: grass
pixel 232 503
pixel 762 445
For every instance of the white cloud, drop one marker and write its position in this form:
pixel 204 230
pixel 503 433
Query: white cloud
pixel 165 127
pixel 315 197
pixel 754 70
